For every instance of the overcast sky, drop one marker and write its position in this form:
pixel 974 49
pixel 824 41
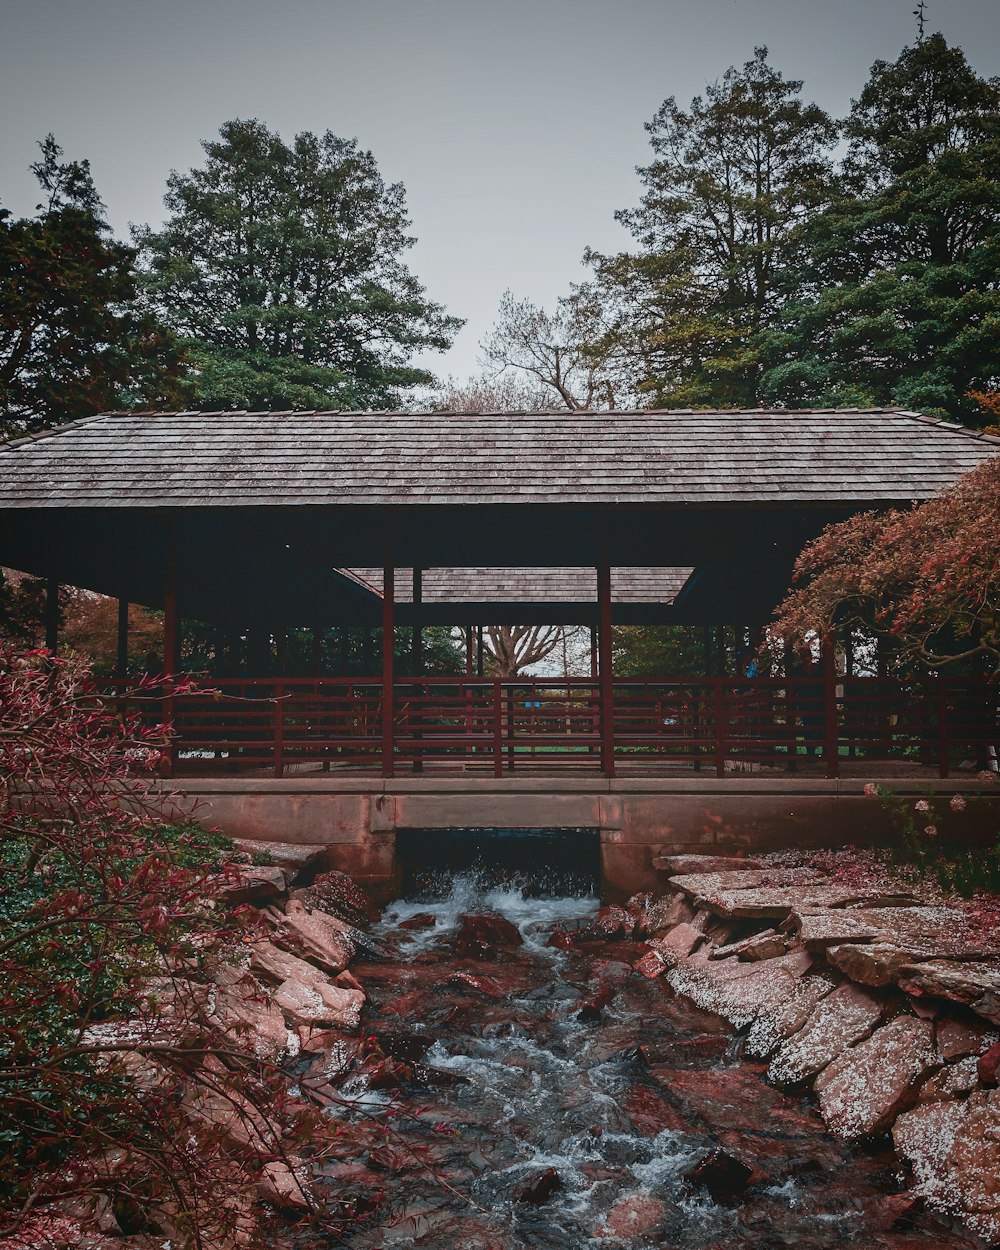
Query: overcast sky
pixel 515 125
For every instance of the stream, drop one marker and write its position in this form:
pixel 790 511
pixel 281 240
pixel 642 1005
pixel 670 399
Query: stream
pixel 548 1097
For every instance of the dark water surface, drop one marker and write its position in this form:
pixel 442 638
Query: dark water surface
pixel 517 1123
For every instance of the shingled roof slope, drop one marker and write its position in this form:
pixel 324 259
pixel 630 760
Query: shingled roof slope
pixel 527 585
pixel 171 459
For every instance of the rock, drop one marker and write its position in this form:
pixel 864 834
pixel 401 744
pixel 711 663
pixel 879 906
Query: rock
pixel 422 920
pixel 632 1217
pixel 686 865
pixel 664 913
pixel 538 1188
pixel 677 943
pixel 239 1004
pixel 944 930
pixel 974 1162
pixel 337 895
pixel 924 1137
pixel 975 985
pixel 613 922
pixel 767 945
pixel 479 937
pixel 778 902
pixel 319 937
pixel 986 1066
pixel 317 1041
pixel 247 883
pixel 591 1009
pixel 649 1113
pixel 954 1081
pixel 489 987
pixel 320 1002
pixel 778 1020
pixel 296 858
pixel 723 1177
pixel 956 1039
pixel 346 980
pixel 878 964
pixel 862 1092
pixel 738 991
pixel 839 1020
pixel 700 885
pixel 651 965
pixel 736 1100
pixel 285 1186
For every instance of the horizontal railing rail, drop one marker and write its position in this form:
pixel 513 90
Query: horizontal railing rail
pixel 723 724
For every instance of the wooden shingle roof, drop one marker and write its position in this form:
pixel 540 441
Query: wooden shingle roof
pixel 526 585
pixel 223 459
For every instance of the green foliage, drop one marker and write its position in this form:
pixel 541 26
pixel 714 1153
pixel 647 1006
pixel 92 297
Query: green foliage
pixel 894 295
pixel 921 852
pixel 72 338
pixel 280 268
pixel 731 179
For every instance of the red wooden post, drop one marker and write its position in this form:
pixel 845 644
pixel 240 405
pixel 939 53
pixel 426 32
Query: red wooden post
pixel 279 729
pixel 719 717
pixel 171 652
pixel 831 741
pixel 497 729
pixel 52 614
pixel 604 652
pixel 388 657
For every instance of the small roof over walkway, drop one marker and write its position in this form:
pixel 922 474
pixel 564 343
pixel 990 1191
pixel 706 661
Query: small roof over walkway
pixel 258 511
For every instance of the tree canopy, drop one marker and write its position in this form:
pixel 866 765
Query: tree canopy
pixel 73 340
pixel 894 296
pixel 927 577
pixel 731 179
pixel 280 268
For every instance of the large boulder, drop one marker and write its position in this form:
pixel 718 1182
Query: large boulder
pixel 315 935
pixel 304 993
pixel 863 1090
pixel 738 991
pixel 974 984
pixel 337 895
pixel 237 1003
pixel 784 1017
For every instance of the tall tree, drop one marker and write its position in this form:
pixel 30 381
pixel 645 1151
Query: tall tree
pixel 568 356
pixel 72 338
pixel 732 177
pixel 896 295
pixel 280 268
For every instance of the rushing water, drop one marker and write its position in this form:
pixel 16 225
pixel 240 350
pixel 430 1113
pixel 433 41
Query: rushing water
pixel 517 1123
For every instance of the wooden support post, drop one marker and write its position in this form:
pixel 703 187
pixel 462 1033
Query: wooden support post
pixel 52 614
pixel 604 649
pixel 121 659
pixel 388 666
pixel 479 650
pixel 831 736
pixel 171 652
pixel 417 662
pixel 468 651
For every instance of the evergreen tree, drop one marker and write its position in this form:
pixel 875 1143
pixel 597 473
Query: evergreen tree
pixel 280 268
pixel 731 179
pixel 894 297
pixel 72 339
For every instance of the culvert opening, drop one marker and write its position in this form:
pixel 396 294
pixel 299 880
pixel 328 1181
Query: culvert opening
pixel 541 863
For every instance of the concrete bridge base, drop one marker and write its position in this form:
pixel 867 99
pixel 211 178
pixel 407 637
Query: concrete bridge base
pixel 357 819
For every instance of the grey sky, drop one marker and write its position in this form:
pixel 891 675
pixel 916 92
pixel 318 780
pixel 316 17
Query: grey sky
pixel 515 126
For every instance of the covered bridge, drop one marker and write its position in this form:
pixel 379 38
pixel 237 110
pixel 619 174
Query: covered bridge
pixel 269 521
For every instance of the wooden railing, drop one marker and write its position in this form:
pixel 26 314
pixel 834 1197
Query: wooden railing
pixel 719 724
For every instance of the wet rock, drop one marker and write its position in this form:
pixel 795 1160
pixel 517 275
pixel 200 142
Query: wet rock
pixel 777 1020
pixel 320 1002
pixel 251 884
pixel 422 920
pixel 632 1217
pixel 975 985
pixel 957 1038
pixel 239 1004
pixel 321 938
pixel 767 945
pixel 735 990
pixel 840 1019
pixel 613 922
pixel 778 902
pixel 538 1188
pixel 877 965
pixel 669 949
pixel 954 1081
pixel 489 987
pixel 862 1092
pixel 685 865
pixel 561 940
pixel 663 913
pixel 987 1065
pixel 480 937
pixel 737 1100
pixel 337 895
pixel 591 1009
pixel 649 1113
pixel 724 1178
pixel 285 1185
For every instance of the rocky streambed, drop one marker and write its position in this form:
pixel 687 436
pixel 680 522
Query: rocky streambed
pixel 560 1076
